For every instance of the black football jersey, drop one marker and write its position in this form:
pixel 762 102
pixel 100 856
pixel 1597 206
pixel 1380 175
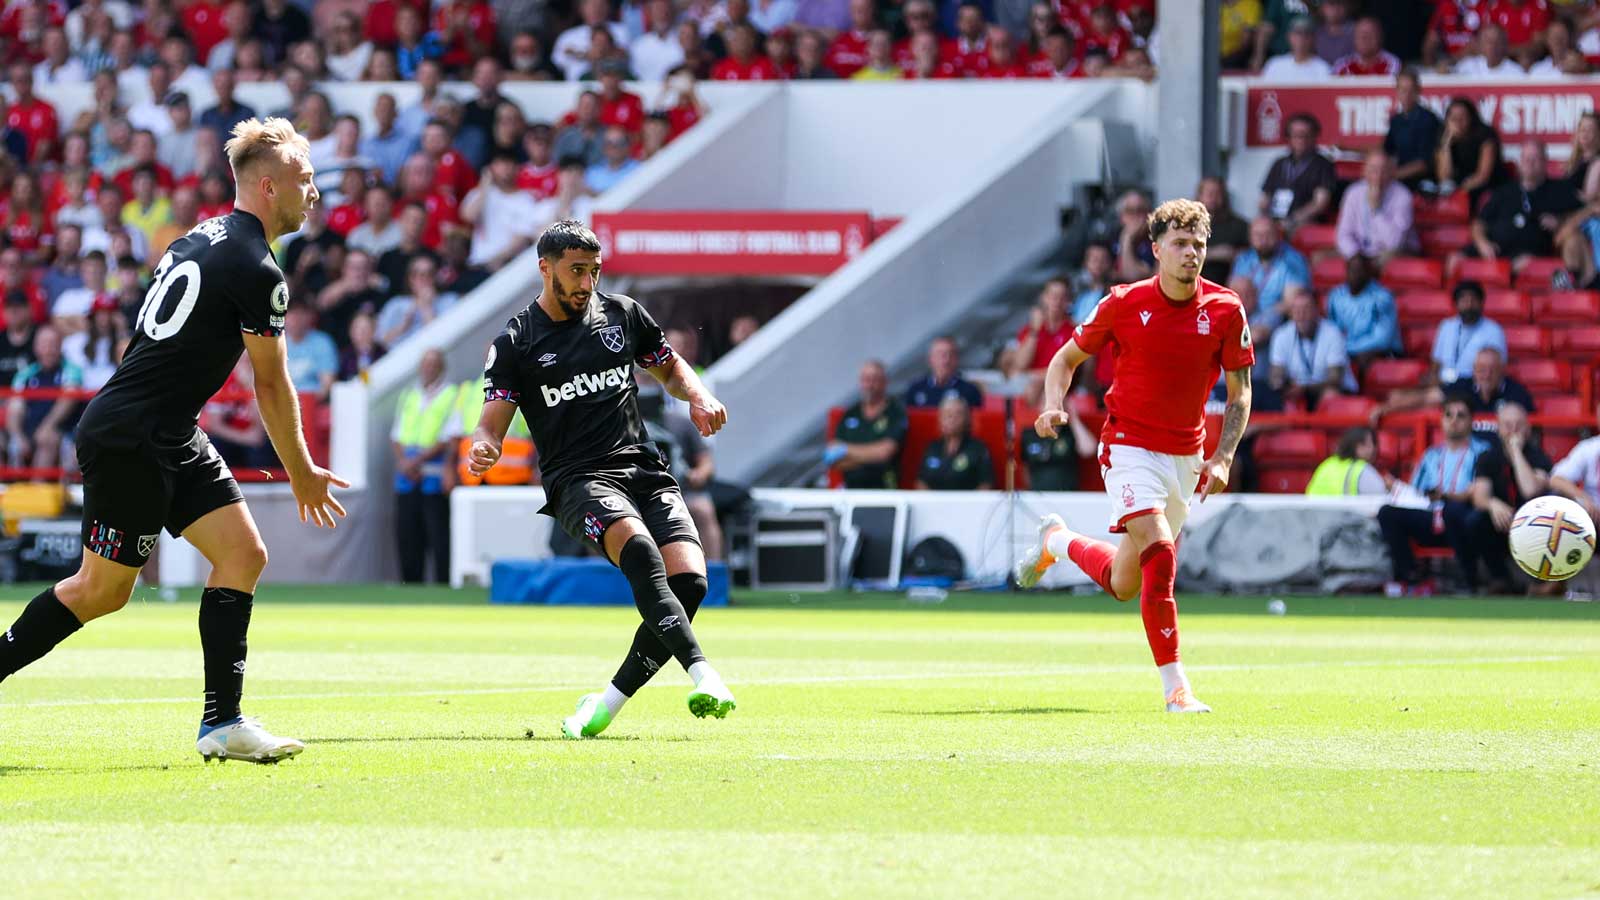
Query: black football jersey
pixel 211 286
pixel 573 380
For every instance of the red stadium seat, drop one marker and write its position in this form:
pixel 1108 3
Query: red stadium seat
pixel 1577 343
pixel 1384 375
pixel 1563 405
pixel 1527 341
pixel 1577 307
pixel 1286 480
pixel 1419 340
pixel 1487 272
pixel 1439 241
pixel 1535 274
pixel 1327 273
pixel 1412 272
pixel 1396 450
pixel 1424 307
pixel 1558 444
pixel 1310 238
pixel 1452 210
pixel 1542 375
pixel 1295 445
pixel 1345 405
pixel 1507 305
pixel 1348 169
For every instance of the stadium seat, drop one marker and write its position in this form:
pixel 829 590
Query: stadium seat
pixel 1562 405
pixel 1439 241
pixel 1345 405
pixel 1418 340
pixel 1395 451
pixel 1487 272
pixel 1284 480
pixel 1579 344
pixel 1507 306
pixel 1535 274
pixel 1424 307
pixel 1295 445
pixel 1452 210
pixel 1412 272
pixel 1327 273
pixel 1577 307
pixel 1558 444
pixel 1525 341
pixel 1384 375
pixel 1542 375
pixel 1312 237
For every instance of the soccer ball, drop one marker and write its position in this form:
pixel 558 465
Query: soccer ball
pixel 1551 538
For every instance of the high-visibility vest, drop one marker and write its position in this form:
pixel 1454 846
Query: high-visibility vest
pixel 516 451
pixel 420 427
pixel 1336 477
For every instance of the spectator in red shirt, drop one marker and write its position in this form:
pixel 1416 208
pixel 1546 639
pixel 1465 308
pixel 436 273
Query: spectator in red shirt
pixel 16 277
pixel 1060 59
pixel 203 23
pixel 617 106
pixel 1048 330
pixel 538 175
pixel 1105 34
pixel 1369 57
pixel 142 153
pixel 926 61
pixel 809 61
pixel 971 39
pixel 848 52
pixel 920 18
pixel 379 26
pixel 23 223
pixel 454 175
pixel 466 27
pixel 742 63
pixel 1452 30
pixel 350 206
pixel 1524 22
pixel 418 182
pixel 1001 60
pixel 33 118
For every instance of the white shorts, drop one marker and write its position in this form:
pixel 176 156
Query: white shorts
pixel 1140 482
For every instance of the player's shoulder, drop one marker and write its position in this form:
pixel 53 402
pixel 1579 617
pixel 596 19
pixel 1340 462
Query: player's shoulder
pixel 620 303
pixel 1220 293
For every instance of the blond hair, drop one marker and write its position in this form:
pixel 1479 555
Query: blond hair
pixel 1183 215
pixel 256 140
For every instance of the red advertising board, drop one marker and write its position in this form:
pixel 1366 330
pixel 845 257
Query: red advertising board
pixel 730 243
pixel 1358 115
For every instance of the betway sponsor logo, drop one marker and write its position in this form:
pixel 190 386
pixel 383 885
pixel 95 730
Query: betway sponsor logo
pixel 585 383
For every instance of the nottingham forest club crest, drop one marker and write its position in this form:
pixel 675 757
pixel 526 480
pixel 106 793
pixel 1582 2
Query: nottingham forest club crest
pixel 611 336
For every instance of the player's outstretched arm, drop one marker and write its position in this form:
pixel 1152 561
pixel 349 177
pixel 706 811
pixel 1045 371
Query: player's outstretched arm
pixel 1214 472
pixel 680 380
pixel 280 413
pixel 493 422
pixel 1057 378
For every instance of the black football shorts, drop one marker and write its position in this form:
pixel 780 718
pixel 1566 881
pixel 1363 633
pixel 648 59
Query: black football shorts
pixel 587 503
pixel 130 494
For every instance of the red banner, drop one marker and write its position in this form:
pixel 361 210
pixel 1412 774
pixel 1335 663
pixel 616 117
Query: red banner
pixel 730 243
pixel 1358 116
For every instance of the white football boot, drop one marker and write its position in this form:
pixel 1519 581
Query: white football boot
pixel 244 738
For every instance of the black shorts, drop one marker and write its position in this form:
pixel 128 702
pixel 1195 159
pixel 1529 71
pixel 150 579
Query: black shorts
pixel 130 494
pixel 589 502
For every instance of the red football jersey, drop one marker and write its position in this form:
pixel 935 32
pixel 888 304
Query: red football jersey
pixel 758 69
pixel 847 54
pixel 203 21
pixel 343 219
pixel 1521 23
pixel 1049 342
pixel 1456 23
pixel 627 111
pixel 479 21
pixel 540 181
pixel 455 174
pixel 1168 357
pixel 1385 63
pixel 36 121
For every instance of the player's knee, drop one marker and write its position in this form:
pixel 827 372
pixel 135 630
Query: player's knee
pixel 248 561
pixel 90 597
pixel 690 588
pixel 639 554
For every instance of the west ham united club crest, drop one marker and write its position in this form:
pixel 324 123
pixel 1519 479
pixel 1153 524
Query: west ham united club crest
pixel 611 336
pixel 147 544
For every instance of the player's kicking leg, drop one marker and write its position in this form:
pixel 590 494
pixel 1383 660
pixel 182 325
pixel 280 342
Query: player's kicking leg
pixel 667 603
pixel 98 588
pixel 228 539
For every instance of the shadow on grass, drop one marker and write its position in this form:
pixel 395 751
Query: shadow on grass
pixel 990 711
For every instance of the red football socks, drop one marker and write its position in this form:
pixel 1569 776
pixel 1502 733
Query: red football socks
pixel 1094 558
pixel 1158 564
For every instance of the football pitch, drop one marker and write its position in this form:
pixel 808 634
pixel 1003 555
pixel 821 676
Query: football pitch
pixel 989 745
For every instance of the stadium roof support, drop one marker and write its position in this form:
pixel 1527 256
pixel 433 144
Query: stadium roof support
pixel 1187 96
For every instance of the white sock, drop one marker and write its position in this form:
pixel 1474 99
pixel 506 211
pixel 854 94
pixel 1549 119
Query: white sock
pixel 1059 543
pixel 698 671
pixel 613 699
pixel 1172 677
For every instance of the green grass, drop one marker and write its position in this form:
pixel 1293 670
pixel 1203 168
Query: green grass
pixel 995 746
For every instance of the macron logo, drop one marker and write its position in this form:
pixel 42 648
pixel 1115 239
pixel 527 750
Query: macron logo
pixel 584 384
pixel 1144 317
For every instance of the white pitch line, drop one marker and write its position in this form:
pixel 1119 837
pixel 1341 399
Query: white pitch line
pixel 1043 671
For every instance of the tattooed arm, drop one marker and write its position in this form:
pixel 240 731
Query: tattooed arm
pixel 1214 472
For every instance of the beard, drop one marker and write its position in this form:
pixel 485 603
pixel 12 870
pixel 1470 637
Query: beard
pixel 570 304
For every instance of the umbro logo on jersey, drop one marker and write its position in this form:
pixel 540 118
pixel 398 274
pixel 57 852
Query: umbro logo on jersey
pixel 585 384
pixel 547 359
pixel 668 622
pixel 1144 317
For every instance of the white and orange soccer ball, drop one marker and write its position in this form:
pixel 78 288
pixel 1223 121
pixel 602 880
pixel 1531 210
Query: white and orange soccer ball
pixel 1551 538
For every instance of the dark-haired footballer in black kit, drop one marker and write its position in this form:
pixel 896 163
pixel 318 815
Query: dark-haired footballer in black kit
pixel 567 362
pixel 146 464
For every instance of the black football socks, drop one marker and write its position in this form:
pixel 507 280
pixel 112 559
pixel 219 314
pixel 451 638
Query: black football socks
pixel 663 614
pixel 224 622
pixel 648 654
pixel 44 623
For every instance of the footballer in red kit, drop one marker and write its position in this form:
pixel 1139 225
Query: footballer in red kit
pixel 1172 334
